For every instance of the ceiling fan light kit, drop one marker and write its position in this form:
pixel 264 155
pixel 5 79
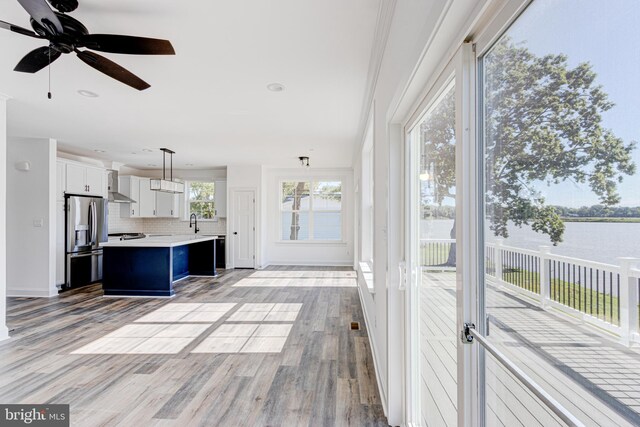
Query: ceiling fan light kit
pixel 68 35
pixel 167 185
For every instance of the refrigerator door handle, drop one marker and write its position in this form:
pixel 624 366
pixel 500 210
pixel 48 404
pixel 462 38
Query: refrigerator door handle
pixel 90 224
pixel 94 237
pixel 85 254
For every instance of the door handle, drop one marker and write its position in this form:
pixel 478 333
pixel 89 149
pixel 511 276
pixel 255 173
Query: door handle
pixel 235 232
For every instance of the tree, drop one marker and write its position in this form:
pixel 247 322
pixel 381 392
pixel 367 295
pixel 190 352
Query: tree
pixel 201 196
pixel 542 124
pixel 295 191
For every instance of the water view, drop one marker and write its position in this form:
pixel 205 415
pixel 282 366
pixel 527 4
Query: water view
pixel 595 241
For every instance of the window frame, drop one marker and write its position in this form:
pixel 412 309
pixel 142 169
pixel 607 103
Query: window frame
pixel 188 200
pixel 311 240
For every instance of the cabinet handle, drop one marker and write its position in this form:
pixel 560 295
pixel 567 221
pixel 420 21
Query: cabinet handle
pixel 171 212
pixel 154 212
pixel 133 211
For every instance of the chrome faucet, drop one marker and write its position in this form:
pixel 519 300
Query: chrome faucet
pixel 193 219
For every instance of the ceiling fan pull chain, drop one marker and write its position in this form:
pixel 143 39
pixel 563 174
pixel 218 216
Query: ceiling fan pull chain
pixel 49 93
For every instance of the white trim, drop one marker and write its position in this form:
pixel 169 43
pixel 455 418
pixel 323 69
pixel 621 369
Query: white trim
pixel 29 293
pixel 374 352
pixel 310 264
pixel 381 36
pixel 469 253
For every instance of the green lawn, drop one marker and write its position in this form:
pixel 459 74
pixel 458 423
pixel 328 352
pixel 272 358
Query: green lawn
pixel 605 307
pixel 434 254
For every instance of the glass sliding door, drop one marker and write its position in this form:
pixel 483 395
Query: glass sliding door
pixel 434 249
pixel 558 119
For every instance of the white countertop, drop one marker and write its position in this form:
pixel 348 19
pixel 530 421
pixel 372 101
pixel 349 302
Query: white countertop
pixel 159 241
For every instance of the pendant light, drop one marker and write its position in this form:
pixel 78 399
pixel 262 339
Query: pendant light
pixel 167 185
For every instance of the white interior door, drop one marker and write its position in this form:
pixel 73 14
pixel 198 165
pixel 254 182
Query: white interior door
pixel 243 233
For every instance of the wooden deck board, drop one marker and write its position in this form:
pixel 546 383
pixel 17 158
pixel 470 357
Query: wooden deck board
pixel 594 377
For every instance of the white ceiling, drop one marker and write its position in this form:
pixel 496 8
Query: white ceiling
pixel 209 103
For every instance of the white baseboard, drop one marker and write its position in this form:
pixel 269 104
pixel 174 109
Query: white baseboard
pixel 374 352
pixel 4 333
pixel 312 264
pixel 30 293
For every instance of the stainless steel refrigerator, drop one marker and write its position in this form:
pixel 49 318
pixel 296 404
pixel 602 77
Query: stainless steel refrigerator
pixel 86 227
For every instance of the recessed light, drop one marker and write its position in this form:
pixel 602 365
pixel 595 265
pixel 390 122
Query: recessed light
pixel 188 164
pixel 99 151
pixel 152 165
pixel 275 87
pixel 133 152
pixel 88 93
pixel 146 150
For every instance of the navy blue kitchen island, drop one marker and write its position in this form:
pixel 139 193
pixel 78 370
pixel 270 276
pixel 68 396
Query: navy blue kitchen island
pixel 148 267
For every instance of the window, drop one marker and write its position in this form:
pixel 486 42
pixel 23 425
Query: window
pixel 200 199
pixel 311 210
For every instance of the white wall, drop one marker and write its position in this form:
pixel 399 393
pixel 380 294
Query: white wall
pixel 245 177
pixel 31 228
pixel 4 332
pixel 308 253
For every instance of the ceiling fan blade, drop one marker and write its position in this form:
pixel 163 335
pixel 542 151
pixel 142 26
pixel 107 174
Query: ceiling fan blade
pixel 42 14
pixel 19 30
pixel 112 69
pixel 131 45
pixel 37 59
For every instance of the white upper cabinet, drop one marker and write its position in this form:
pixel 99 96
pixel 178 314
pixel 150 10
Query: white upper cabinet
pixel 130 187
pixel 95 179
pixel 147 202
pixel 84 180
pixel 76 179
pixel 220 199
pixel 166 205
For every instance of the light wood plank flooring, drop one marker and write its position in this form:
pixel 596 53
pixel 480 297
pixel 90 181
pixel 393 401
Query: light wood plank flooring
pixel 322 375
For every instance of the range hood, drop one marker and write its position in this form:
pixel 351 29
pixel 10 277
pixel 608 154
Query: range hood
pixel 112 185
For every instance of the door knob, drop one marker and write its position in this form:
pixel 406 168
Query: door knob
pixel 235 232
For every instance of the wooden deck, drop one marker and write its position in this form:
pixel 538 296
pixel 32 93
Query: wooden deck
pixel 588 372
pixel 278 353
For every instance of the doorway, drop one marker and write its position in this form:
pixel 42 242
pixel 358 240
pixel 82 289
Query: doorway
pixel 243 228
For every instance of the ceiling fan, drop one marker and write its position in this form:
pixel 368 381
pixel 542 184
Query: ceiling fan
pixel 66 35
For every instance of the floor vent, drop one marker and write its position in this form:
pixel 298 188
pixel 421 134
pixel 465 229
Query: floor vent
pixel 355 326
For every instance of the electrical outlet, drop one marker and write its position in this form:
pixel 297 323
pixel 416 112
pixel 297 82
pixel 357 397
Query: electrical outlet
pixel 39 222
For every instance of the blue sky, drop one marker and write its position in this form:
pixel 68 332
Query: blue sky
pixel 605 33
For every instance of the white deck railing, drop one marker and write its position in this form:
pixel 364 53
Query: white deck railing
pixel 603 295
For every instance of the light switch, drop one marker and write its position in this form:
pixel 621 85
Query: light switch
pixel 38 222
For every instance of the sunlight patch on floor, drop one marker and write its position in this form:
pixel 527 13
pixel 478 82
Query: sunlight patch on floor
pixel 166 330
pixel 297 282
pixel 246 338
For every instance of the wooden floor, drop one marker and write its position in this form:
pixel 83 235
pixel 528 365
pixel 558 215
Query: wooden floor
pixel 323 375
pixel 595 378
